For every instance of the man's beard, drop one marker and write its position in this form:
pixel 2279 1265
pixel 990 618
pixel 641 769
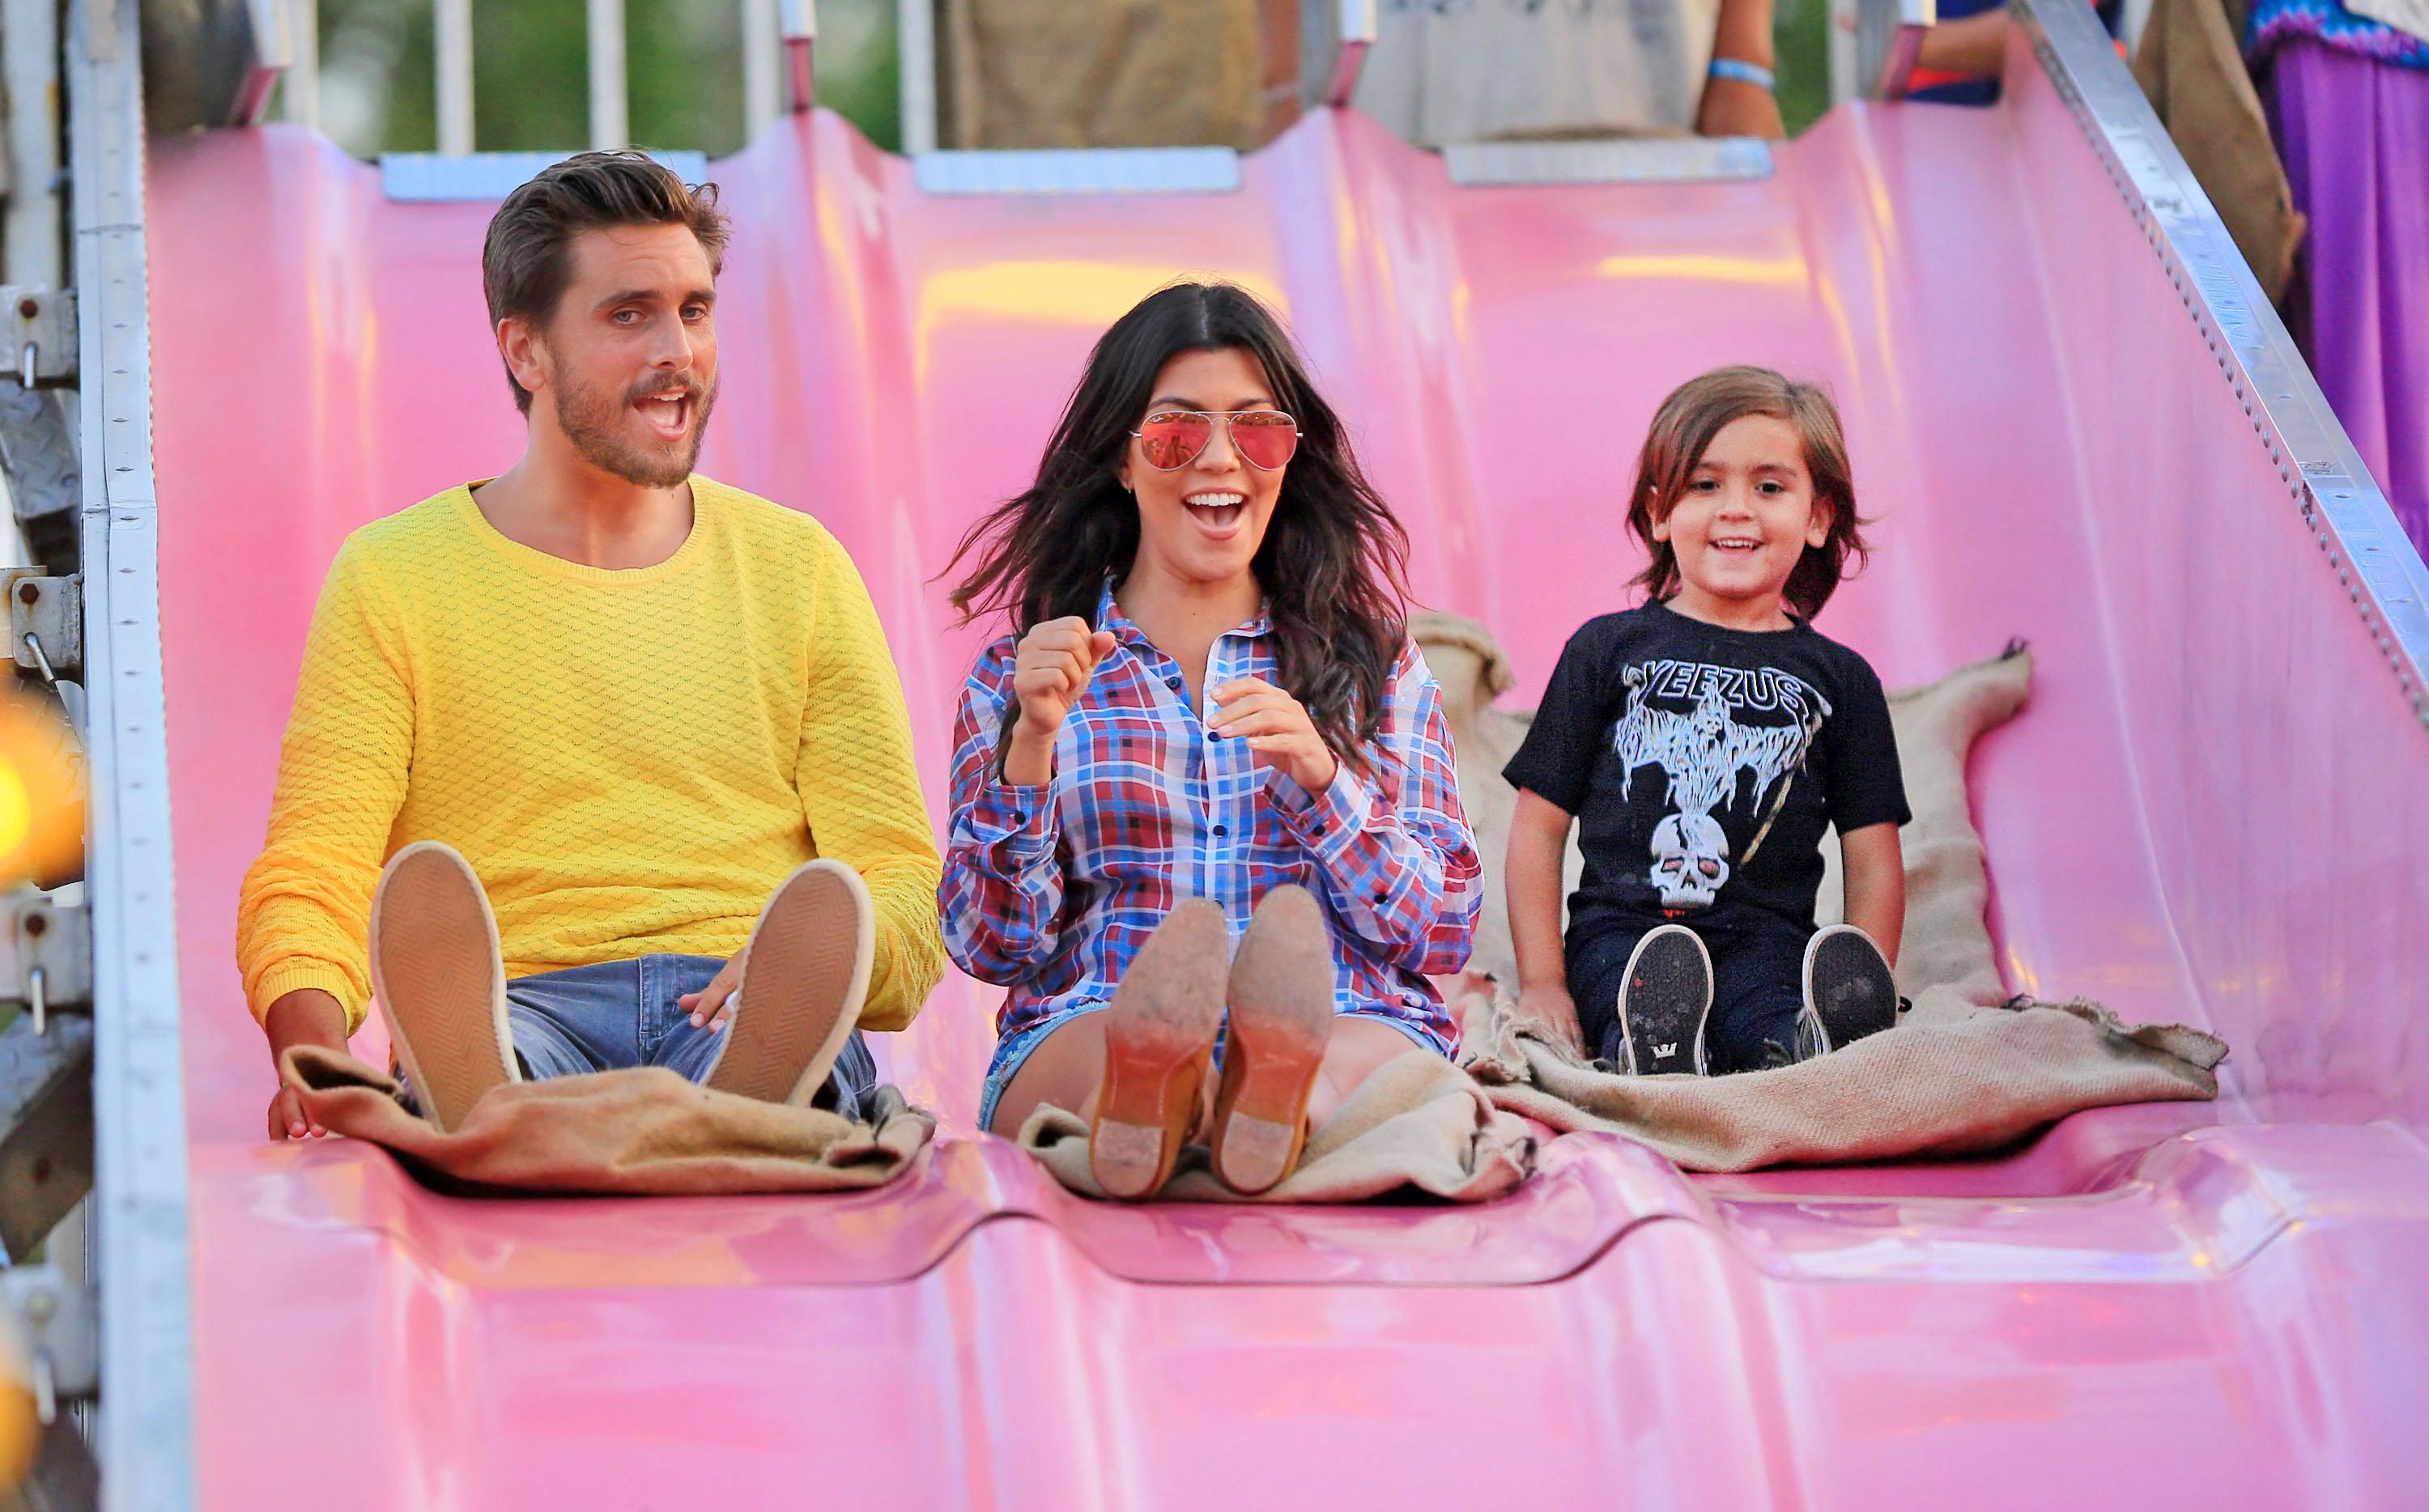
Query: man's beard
pixel 594 423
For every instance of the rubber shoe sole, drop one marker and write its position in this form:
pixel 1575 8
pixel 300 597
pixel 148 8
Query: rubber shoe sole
pixel 1849 990
pixel 441 985
pixel 1664 1000
pixel 803 981
pixel 1159 1039
pixel 1279 996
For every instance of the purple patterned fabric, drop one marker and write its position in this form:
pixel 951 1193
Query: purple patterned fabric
pixel 1050 891
pixel 2355 137
pixel 2275 23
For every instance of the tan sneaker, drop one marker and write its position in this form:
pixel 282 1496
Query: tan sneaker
pixel 440 986
pixel 1280 993
pixel 802 984
pixel 1158 1042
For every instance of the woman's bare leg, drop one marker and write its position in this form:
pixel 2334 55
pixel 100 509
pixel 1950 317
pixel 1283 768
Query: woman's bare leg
pixel 1279 1001
pixel 1137 1072
pixel 1068 1069
pixel 1358 1048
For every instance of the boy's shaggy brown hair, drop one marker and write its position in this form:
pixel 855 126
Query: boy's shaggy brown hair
pixel 1683 429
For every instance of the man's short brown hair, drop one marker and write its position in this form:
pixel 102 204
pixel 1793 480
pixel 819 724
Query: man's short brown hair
pixel 528 258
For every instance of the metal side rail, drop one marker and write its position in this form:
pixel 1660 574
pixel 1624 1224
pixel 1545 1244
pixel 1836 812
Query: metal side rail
pixel 2342 508
pixel 144 1423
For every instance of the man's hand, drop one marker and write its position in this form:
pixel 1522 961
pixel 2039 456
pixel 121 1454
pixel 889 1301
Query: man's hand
pixel 1552 1014
pixel 1278 729
pixel 305 1016
pixel 712 1007
pixel 1733 108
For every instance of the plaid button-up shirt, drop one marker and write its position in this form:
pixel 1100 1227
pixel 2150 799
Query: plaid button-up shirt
pixel 1049 890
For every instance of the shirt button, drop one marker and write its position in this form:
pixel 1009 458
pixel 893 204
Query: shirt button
pixel 1220 830
pixel 1172 683
pixel 1213 734
pixel 1019 816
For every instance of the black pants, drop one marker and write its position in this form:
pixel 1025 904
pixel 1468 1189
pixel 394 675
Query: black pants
pixel 1757 990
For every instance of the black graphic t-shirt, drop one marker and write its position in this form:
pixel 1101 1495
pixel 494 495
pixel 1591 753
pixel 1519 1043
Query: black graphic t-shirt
pixel 1703 764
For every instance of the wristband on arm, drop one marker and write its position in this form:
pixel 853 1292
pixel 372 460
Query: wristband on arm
pixel 1745 73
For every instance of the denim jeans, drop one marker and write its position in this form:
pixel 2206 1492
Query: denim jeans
pixel 1758 992
pixel 618 1014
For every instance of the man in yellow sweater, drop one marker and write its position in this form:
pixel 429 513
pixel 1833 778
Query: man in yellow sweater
pixel 597 716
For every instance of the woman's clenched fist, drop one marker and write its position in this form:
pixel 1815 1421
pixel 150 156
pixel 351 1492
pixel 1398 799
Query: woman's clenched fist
pixel 1051 669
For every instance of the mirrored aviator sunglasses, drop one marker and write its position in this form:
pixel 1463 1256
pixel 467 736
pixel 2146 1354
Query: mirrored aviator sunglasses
pixel 1173 438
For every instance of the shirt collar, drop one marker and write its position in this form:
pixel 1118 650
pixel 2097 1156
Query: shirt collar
pixel 1109 616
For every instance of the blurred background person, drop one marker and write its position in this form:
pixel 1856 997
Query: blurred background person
pixel 2347 92
pixel 1444 70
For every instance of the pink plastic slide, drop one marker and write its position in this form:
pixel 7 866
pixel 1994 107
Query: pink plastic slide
pixel 2073 430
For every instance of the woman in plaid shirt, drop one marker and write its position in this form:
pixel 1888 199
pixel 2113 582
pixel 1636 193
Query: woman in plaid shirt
pixel 1208 725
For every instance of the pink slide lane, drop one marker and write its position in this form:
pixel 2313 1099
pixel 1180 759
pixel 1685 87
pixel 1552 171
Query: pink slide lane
pixel 2213 812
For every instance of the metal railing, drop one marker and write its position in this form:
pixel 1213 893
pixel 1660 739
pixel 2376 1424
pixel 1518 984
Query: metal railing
pixel 145 1427
pixel 2343 510
pixel 777 37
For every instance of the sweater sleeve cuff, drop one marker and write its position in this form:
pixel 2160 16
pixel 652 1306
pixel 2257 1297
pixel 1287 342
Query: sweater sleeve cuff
pixel 1326 823
pixel 1021 819
pixel 291 976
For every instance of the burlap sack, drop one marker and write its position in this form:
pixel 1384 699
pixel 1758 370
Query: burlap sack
pixel 1945 943
pixel 1953 1077
pixel 1418 1125
pixel 619 1133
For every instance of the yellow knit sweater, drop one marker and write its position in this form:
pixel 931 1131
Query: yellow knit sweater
pixel 630 759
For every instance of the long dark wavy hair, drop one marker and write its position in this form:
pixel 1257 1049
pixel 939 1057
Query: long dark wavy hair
pixel 1334 565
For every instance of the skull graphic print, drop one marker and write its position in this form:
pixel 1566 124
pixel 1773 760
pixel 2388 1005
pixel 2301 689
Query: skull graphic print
pixel 1727 740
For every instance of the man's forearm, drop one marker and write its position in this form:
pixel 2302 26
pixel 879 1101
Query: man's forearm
pixel 305 1016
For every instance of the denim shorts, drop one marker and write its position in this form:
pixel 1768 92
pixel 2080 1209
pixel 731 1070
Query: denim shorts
pixel 620 1014
pixel 1014 1048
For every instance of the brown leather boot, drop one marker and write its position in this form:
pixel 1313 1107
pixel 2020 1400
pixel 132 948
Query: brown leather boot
pixel 1280 996
pixel 1158 1042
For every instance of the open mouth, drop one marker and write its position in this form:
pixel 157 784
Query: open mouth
pixel 1216 511
pixel 1739 546
pixel 667 414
